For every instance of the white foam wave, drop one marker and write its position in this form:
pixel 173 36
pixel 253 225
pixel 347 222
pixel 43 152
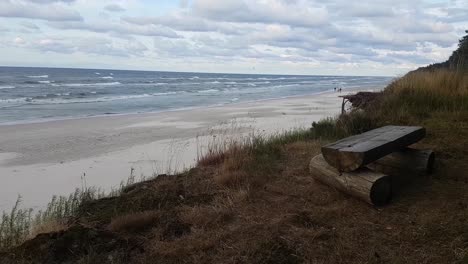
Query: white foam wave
pixel 208 91
pixel 38 76
pixel 91 84
pixel 167 93
pixel 45 82
pixel 45 99
pixel 7 87
pixel 107 77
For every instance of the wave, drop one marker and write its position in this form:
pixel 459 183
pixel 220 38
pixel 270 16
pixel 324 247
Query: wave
pixel 38 76
pixel 89 84
pixel 208 91
pixel 74 98
pixel 166 93
pixel 107 77
pixel 7 87
pixel 44 82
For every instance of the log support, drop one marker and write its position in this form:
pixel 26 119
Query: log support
pixel 372 187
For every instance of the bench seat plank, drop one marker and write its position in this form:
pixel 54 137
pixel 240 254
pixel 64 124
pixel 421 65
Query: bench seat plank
pixel 356 151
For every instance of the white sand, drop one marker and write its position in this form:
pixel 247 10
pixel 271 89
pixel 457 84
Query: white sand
pixel 42 159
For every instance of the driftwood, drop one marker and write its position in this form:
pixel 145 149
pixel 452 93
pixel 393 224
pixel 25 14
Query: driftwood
pixel 359 100
pixel 372 187
pixel 408 161
pixel 357 151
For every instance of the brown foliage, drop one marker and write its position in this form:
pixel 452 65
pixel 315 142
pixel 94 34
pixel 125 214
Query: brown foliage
pixel 134 222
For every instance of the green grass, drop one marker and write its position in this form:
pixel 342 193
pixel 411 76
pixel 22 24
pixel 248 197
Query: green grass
pixel 20 224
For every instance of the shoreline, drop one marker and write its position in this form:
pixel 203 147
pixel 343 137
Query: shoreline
pixel 38 160
pixel 46 120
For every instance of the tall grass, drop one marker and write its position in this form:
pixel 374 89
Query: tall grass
pixel 19 224
pixel 418 98
pixel 247 161
pixel 430 91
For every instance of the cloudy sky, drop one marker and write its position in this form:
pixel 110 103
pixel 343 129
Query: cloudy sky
pixel 340 37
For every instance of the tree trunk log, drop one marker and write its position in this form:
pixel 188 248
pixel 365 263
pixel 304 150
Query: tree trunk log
pixel 372 187
pixel 408 161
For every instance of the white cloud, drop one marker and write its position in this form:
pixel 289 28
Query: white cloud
pixel 293 13
pixel 119 28
pixel 114 8
pixel 19 41
pixel 51 12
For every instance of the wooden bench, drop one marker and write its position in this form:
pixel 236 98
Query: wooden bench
pixel 362 165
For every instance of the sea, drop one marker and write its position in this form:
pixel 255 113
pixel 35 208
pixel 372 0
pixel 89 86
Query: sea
pixel 42 94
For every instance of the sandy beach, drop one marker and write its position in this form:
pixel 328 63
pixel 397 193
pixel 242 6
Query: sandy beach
pixel 38 160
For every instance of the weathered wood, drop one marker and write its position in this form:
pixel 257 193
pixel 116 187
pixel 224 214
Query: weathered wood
pixel 372 187
pixel 404 162
pixel 354 152
pixel 361 99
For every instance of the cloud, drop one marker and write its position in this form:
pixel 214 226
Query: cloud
pixel 29 25
pixel 117 28
pixel 293 13
pixel 337 33
pixel 183 21
pixel 94 45
pixel 114 8
pixel 51 12
pixel 19 41
pixel 50 1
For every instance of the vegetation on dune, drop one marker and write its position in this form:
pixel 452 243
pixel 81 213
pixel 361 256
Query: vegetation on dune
pixel 20 224
pixel 252 200
pixel 458 61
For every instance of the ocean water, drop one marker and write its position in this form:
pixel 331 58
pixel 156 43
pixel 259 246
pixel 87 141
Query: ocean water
pixel 38 94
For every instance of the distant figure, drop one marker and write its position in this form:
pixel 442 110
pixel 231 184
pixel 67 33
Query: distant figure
pixel 339 90
pixel 335 89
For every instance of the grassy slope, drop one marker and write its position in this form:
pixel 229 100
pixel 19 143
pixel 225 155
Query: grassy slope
pixel 257 203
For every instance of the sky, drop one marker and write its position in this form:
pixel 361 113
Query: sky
pixel 311 37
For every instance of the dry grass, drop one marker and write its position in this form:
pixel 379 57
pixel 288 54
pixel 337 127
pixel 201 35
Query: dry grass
pixel 434 83
pixel 51 226
pixel 134 222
